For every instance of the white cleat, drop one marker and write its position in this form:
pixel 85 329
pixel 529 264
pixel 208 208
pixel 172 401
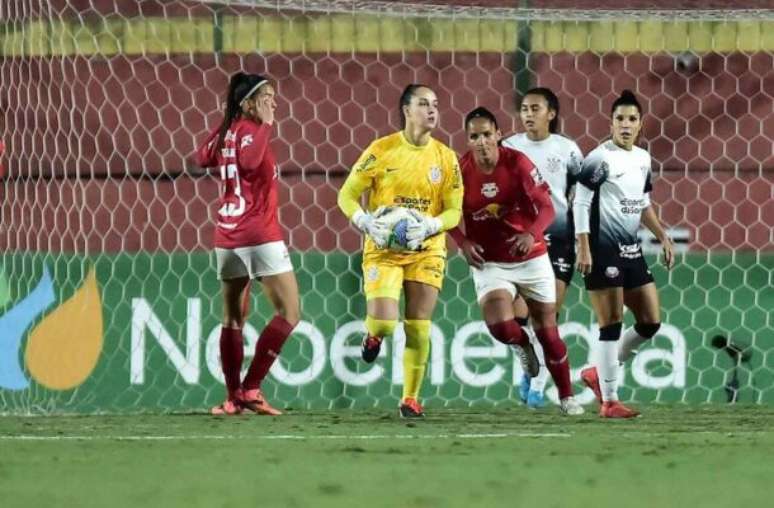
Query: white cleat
pixel 571 407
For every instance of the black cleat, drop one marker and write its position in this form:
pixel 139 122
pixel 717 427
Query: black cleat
pixel 529 360
pixel 370 348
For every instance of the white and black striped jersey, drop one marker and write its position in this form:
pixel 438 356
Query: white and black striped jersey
pixel 613 192
pixel 559 161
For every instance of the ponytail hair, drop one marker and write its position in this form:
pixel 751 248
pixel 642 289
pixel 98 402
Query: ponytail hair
pixel 241 87
pixel 553 104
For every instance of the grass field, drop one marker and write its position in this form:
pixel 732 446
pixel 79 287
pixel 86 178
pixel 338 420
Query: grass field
pixel 673 456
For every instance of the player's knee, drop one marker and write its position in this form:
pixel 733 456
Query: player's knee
pixel 647 330
pixel 611 332
pixel 380 327
pixel 418 329
pixel 507 332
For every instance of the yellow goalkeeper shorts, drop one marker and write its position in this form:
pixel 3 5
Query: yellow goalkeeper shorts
pixel 384 272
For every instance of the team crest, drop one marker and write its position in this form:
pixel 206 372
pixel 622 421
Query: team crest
pixel 553 164
pixel 434 175
pixel 373 274
pixel 489 190
pixel 246 141
pixel 611 272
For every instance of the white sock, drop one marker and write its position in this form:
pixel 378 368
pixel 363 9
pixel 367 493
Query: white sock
pixel 538 383
pixel 630 343
pixel 607 368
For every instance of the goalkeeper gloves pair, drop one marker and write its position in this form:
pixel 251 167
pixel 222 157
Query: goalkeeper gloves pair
pixel 418 230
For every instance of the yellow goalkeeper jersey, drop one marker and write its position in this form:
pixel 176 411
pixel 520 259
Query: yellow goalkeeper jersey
pixel 397 173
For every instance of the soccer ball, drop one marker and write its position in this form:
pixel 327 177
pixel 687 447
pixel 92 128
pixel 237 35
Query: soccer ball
pixel 398 220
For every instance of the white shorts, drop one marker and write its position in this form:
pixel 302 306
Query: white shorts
pixel 533 279
pixel 254 262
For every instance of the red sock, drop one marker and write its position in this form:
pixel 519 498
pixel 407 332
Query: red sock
pixel 232 353
pixel 267 349
pixel 555 352
pixel 509 332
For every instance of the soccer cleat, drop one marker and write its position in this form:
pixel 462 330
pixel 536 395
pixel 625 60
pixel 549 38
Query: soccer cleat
pixel 614 409
pixel 524 387
pixel 571 407
pixel 228 408
pixel 591 379
pixel 535 399
pixel 370 348
pixel 529 360
pixel 410 408
pixel 253 400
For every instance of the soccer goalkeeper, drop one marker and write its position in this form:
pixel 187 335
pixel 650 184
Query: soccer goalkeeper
pixel 409 169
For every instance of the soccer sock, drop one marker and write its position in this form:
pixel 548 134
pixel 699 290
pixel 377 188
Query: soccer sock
pixel 267 349
pixel 634 337
pixel 538 383
pixel 607 364
pixel 415 355
pixel 232 353
pixel 380 328
pixel 556 359
pixel 509 332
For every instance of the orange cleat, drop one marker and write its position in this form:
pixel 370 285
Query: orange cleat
pixel 253 400
pixel 614 409
pixel 410 408
pixel 228 408
pixel 591 379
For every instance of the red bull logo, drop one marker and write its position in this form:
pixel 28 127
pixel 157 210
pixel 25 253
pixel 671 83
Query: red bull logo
pixel 492 211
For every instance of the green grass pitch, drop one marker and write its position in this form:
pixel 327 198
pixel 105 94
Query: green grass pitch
pixel 682 456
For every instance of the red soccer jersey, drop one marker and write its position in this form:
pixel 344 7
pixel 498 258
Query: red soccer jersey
pixel 512 198
pixel 247 210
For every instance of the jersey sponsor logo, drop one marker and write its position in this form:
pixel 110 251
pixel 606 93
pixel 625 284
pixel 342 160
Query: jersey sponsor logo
pixel 366 163
pixel 611 272
pixel 489 189
pixel 434 175
pixel 246 141
pixel 632 206
pixel 421 204
pixel 631 251
pixel 553 164
pixel 536 176
pixel 491 211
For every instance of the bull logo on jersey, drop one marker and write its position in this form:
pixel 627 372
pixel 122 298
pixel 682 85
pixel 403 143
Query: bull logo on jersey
pixel 489 189
pixel 434 175
pixel 489 212
pixel 246 141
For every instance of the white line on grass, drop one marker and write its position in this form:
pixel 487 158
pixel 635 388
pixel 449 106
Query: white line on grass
pixel 288 437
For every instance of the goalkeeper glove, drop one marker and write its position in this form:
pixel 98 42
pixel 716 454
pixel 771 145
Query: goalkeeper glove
pixel 421 229
pixel 373 227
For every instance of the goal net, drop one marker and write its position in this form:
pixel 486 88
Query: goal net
pixel 108 295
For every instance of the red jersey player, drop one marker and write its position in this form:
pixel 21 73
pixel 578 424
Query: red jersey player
pixel 506 208
pixel 248 240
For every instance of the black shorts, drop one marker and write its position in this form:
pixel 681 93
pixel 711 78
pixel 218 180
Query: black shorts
pixel 562 256
pixel 614 271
